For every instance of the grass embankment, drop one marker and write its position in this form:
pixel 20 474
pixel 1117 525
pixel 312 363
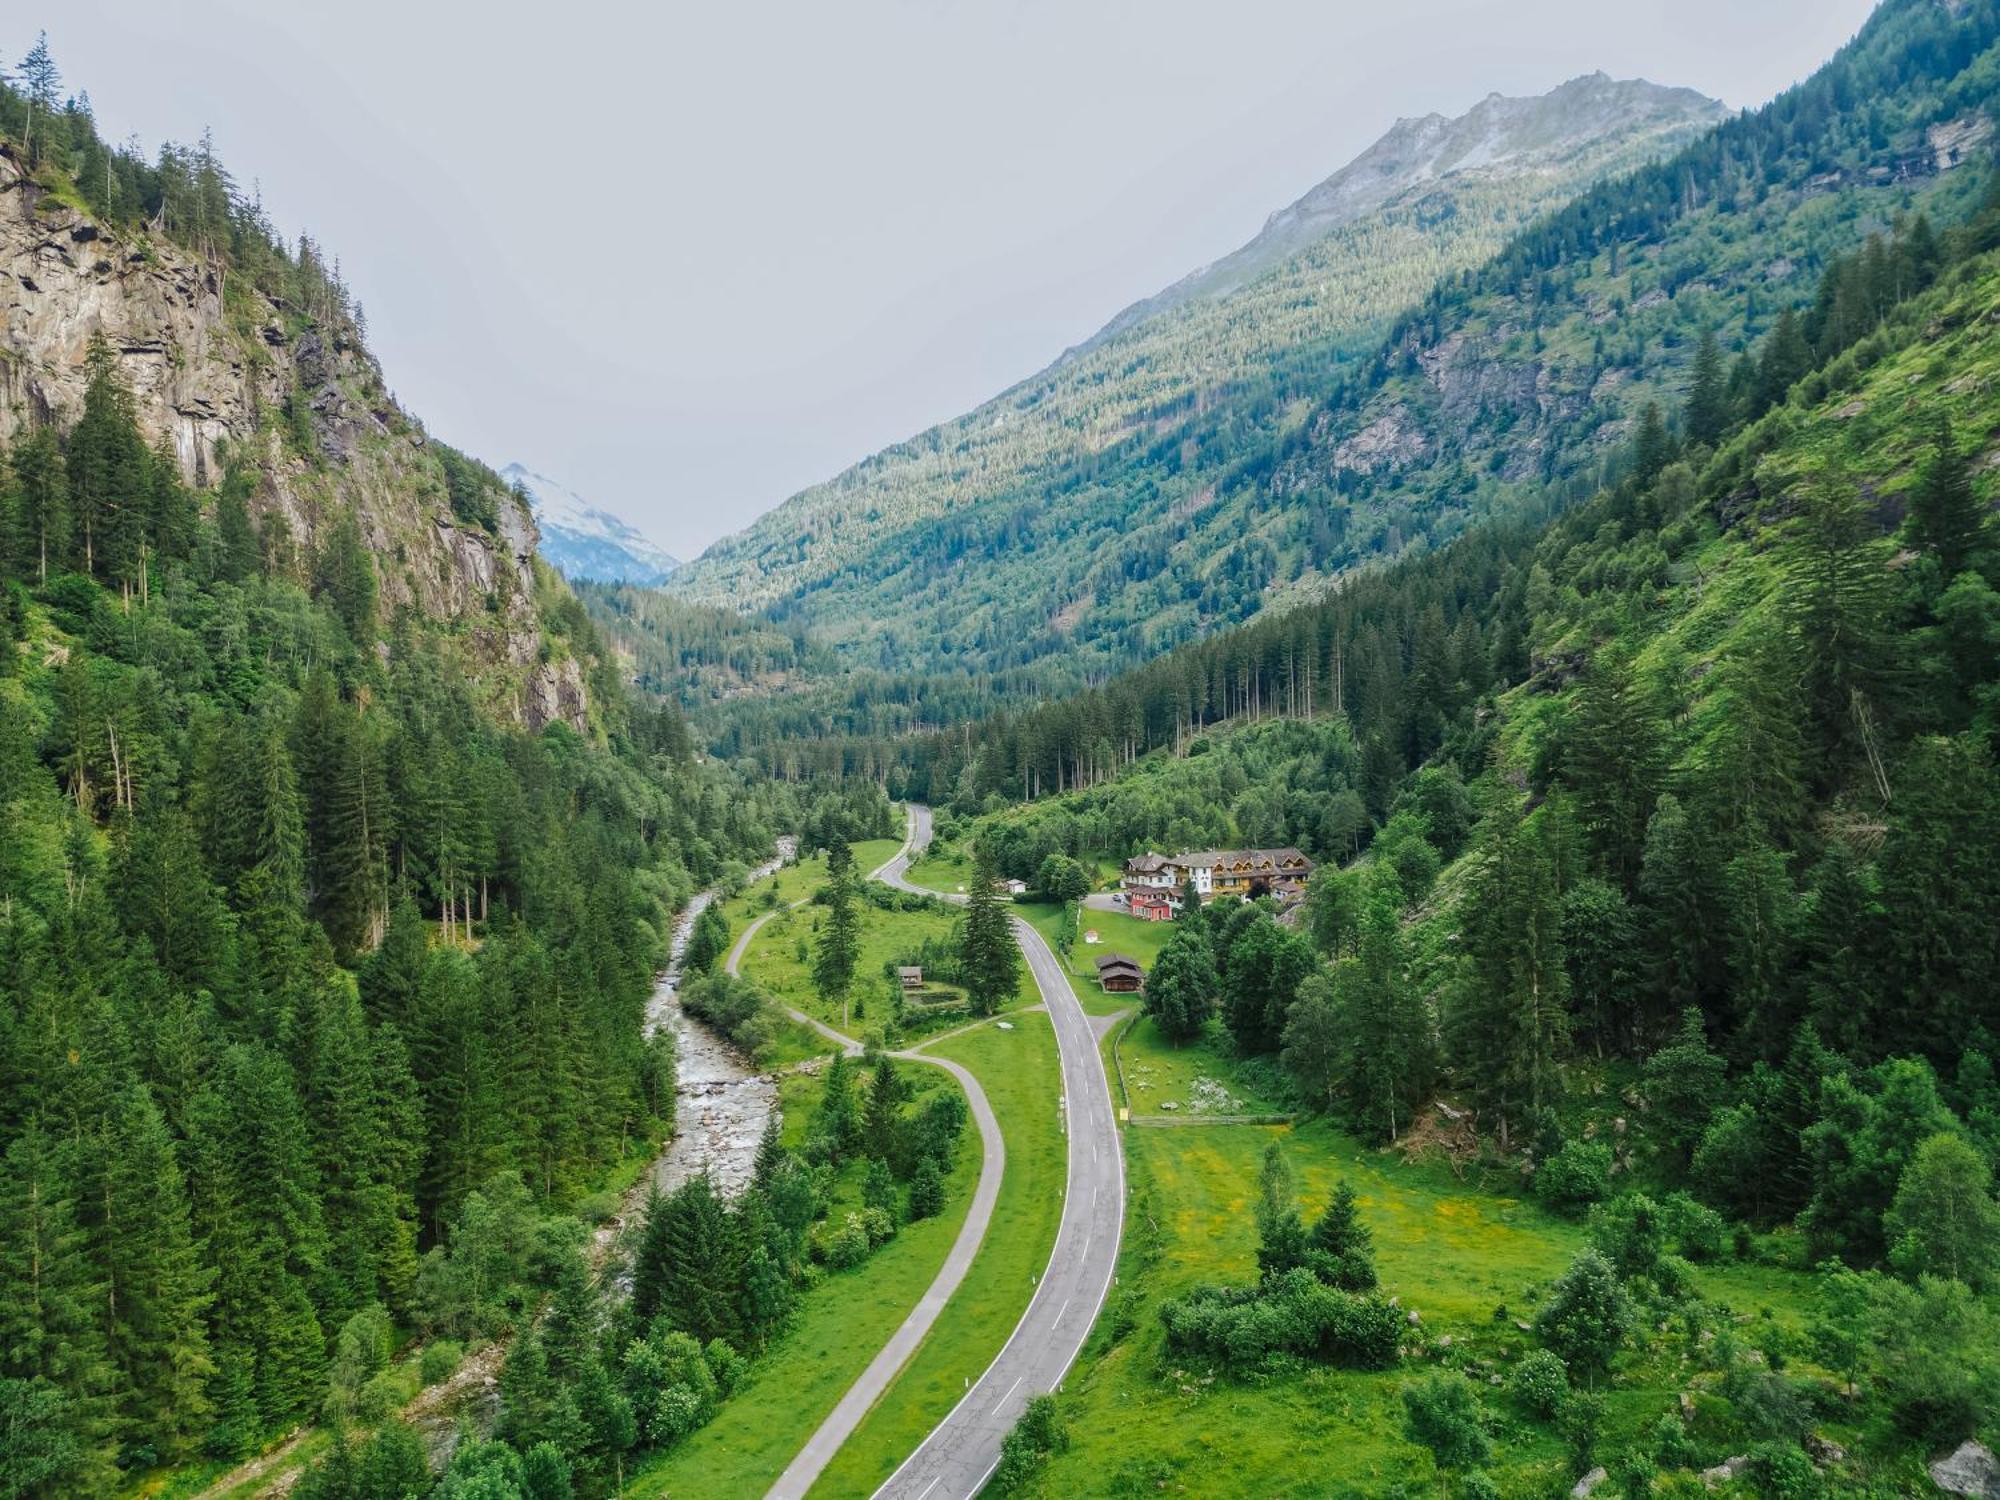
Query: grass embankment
pixel 839 1326
pixel 1018 1069
pixel 1469 1261
pixel 948 871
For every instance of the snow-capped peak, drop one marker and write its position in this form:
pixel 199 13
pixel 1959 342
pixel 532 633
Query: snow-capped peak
pixel 586 542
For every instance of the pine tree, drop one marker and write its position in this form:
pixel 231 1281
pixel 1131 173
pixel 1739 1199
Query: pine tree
pixel 840 934
pixel 988 957
pixel 1612 754
pixel 1652 449
pixel 41 84
pixel 40 519
pixel 926 1190
pixel 1385 1063
pixel 1684 1084
pixel 708 940
pixel 836 1123
pixel 1281 1234
pixel 1340 1250
pixel 1946 518
pixel 1510 1017
pixel 1786 359
pixel 107 471
pixel 1707 409
pixel 157 1288
pixel 689 1265
pixel 51 1334
pixel 346 575
pixel 1837 599
pixel 882 1118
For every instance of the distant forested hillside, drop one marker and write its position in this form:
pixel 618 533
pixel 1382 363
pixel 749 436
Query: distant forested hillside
pixel 1511 380
pixel 896 560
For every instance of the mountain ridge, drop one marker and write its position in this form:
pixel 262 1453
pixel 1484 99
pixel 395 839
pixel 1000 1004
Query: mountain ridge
pixel 1414 151
pixel 1271 346
pixel 585 541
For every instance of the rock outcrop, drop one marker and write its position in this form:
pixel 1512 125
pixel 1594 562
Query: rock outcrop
pixel 211 366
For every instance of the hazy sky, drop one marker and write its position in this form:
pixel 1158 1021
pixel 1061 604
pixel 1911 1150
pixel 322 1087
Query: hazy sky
pixel 689 259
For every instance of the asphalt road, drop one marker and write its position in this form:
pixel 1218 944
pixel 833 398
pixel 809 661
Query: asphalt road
pixel 859 1398
pixel 954 1461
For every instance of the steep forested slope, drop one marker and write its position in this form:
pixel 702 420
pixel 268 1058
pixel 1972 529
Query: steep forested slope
pixel 1522 374
pixel 329 890
pixel 1680 813
pixel 1229 354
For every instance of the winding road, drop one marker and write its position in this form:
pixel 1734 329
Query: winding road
pixel 953 1463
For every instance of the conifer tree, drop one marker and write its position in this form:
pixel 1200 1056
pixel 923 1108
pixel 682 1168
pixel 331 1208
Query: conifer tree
pixel 689 1265
pixel 882 1118
pixel 51 1333
pixel 1612 761
pixel 1281 1234
pixel 988 957
pixel 1340 1250
pixel 156 1286
pixel 41 516
pixel 837 1123
pixel 839 941
pixel 708 940
pixel 1510 1017
pixel 1946 518
pixel 1837 597
pixel 1385 1059
pixel 1707 409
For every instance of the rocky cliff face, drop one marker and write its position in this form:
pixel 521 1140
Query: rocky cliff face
pixel 210 365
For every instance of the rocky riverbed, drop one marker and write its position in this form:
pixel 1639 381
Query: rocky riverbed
pixel 724 1102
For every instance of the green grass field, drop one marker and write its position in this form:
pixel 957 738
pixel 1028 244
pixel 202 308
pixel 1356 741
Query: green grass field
pixel 1194 1077
pixel 839 1326
pixel 1454 1253
pixel 796 882
pixel 1118 933
pixel 949 871
pixel 1018 1070
pixel 780 959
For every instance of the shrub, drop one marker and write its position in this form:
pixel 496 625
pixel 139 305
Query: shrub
pixel 1575 1177
pixel 1588 1317
pixel 926 1190
pixel 1039 1433
pixel 726 1365
pixel 671 1386
pixel 1541 1383
pixel 440 1360
pixel 1292 1313
pixel 849 1245
pixel 380 1396
pixel 1696 1230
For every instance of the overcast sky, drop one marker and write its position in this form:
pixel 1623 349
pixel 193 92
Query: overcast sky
pixel 688 259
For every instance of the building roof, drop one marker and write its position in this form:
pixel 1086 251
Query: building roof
pixel 1118 961
pixel 1148 863
pixel 1255 858
pixel 909 971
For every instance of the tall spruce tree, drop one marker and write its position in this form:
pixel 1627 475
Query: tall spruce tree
pixel 839 942
pixel 1946 518
pixel 988 957
pixel 1707 410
